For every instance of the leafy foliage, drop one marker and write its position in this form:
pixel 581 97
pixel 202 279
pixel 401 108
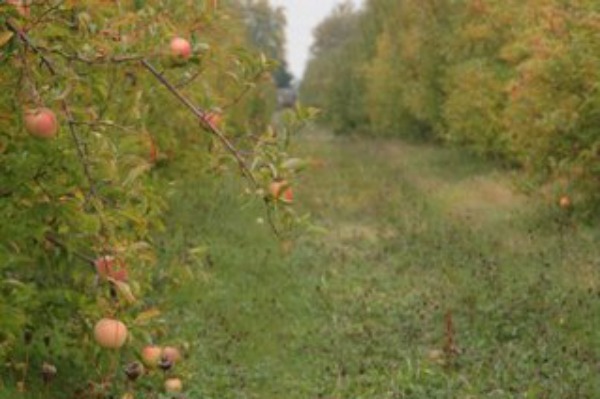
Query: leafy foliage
pixel 510 79
pixel 130 114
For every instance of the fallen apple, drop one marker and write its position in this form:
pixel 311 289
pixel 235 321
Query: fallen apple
pixel 172 354
pixel 173 385
pixel 151 355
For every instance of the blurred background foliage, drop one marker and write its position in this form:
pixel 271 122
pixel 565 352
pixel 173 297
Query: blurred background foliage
pixel 518 81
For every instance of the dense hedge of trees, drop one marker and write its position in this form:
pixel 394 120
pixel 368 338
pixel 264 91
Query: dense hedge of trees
pixel 81 204
pixel 515 80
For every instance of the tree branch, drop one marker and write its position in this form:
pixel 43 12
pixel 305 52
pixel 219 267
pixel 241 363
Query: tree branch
pixel 202 116
pixel 56 242
pixel 12 26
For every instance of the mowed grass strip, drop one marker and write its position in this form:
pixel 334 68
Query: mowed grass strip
pixel 428 277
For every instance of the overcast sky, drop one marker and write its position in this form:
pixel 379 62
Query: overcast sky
pixel 303 16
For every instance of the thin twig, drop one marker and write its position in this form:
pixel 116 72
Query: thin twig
pixel 100 59
pixel 246 90
pixel 55 241
pixel 104 123
pixel 12 26
pixel 79 147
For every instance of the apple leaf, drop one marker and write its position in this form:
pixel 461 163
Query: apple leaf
pixel 5 37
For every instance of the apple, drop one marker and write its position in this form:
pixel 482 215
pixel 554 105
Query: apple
pixel 22 6
pixel 281 190
pixel 564 202
pixel 173 385
pixel 171 353
pixel 41 122
pixel 180 48
pixel 110 333
pixel 151 355
pixel 214 118
pixel 288 195
pixel 107 266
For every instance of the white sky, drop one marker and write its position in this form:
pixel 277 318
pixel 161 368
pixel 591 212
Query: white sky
pixel 302 17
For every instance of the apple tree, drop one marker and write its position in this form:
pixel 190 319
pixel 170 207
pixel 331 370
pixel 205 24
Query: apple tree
pixel 98 99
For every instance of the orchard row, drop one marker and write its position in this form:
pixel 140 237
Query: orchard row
pixel 512 80
pixel 104 108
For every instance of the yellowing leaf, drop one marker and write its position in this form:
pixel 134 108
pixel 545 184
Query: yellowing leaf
pixel 124 290
pixel 136 172
pixel 5 37
pixel 147 315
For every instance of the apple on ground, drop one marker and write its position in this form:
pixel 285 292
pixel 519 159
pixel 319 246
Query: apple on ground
pixel 171 353
pixel 151 355
pixel 173 385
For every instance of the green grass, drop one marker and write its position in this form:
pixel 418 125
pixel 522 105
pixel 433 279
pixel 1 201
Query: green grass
pixel 410 233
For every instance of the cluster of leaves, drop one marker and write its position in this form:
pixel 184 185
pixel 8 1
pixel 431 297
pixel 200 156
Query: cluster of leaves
pixel 510 79
pixel 132 117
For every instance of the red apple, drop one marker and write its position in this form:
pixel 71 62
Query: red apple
pixel 281 190
pixel 107 266
pixel 171 353
pixel 110 333
pixel 173 385
pixel 22 6
pixel 181 48
pixel 214 118
pixel 151 355
pixel 288 195
pixel 41 122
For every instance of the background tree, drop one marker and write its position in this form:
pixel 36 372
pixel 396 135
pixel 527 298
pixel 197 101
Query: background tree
pixel 266 30
pixel 511 80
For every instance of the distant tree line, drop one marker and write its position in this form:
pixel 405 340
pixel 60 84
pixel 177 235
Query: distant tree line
pixel 266 30
pixel 517 80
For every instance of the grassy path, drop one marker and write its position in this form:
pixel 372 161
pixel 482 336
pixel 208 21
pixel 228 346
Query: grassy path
pixel 413 239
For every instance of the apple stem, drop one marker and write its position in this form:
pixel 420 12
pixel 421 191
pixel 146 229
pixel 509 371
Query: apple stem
pixel 245 91
pixel 53 240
